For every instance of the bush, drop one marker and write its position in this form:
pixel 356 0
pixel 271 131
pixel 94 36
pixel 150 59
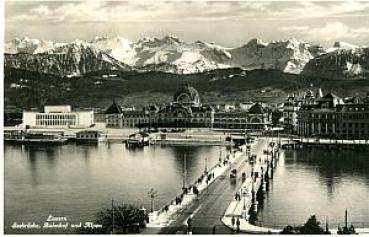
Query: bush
pixel 127 218
pixel 312 226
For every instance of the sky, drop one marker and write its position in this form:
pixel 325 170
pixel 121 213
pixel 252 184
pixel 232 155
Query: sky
pixel 228 23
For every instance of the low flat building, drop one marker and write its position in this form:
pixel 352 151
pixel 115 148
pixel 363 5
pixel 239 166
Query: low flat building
pixel 58 116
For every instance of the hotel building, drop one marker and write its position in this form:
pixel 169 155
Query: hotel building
pixel 334 117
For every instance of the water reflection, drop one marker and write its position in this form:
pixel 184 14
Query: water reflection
pixel 320 182
pixel 32 159
pixel 78 180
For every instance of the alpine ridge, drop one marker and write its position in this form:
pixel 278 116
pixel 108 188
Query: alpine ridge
pixel 172 55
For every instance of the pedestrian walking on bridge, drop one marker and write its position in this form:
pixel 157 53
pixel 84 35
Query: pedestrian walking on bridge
pixel 233 220
pixel 238 224
pixel 189 225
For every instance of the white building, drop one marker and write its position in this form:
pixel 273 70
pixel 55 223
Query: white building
pixel 58 116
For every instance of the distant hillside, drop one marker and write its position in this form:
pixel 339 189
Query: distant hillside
pixel 25 89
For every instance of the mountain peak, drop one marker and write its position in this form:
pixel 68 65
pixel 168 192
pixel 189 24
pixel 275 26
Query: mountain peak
pixel 343 45
pixel 256 41
pixel 105 38
pixel 99 38
pixel 171 39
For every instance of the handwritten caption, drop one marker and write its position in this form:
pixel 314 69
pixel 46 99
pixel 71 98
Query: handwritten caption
pixel 52 222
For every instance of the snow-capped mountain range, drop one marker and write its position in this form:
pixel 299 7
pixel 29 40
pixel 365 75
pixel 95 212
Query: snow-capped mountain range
pixel 170 54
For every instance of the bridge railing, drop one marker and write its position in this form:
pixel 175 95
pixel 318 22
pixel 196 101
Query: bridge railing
pixel 189 191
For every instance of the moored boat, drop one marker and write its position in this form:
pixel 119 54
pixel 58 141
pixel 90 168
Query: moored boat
pixel 39 138
pixel 139 139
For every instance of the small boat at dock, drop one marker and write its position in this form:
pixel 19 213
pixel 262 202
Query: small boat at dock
pixel 139 139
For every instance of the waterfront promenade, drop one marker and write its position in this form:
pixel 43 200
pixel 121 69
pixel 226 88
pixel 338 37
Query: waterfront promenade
pixel 171 220
pixel 262 171
pixel 206 209
pixel 194 136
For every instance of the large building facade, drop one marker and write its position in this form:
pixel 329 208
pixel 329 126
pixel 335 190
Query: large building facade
pixel 334 117
pixel 117 116
pixel 255 118
pixel 186 111
pixel 58 116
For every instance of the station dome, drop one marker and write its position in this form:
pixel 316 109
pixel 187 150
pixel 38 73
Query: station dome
pixel 187 95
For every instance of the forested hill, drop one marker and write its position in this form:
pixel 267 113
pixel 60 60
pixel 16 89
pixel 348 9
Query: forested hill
pixel 26 89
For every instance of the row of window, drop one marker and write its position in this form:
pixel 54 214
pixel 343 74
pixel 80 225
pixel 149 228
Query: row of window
pixel 254 120
pixel 87 136
pixel 239 126
pixel 339 115
pixel 55 116
pixel 351 131
pixel 63 122
pixel 181 115
pixel 344 125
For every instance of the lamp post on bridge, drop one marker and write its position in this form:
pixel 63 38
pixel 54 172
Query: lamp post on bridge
pixel 206 166
pixel 184 184
pixel 112 208
pixel 253 194
pixel 244 211
pixel 152 194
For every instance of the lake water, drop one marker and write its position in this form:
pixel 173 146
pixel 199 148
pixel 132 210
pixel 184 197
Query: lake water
pixel 320 182
pixel 76 181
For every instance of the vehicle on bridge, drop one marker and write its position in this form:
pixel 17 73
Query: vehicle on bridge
pixel 243 176
pixel 252 159
pixel 233 174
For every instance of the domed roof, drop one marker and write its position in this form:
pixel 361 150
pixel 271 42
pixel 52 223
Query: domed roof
pixel 187 94
pixel 256 109
pixel 309 93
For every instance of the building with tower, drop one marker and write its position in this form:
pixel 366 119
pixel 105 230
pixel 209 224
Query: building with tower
pixel 187 111
pixel 334 117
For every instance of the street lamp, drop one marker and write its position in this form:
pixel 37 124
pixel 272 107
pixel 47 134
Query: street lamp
pixel 112 215
pixel 152 194
pixel 206 165
pixel 244 194
pixel 184 173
